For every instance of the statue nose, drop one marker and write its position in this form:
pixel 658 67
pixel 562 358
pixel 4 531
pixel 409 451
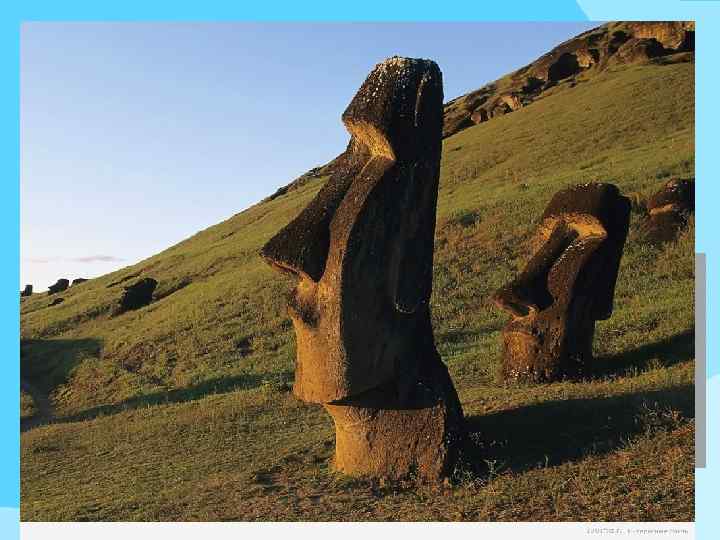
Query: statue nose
pixel 301 247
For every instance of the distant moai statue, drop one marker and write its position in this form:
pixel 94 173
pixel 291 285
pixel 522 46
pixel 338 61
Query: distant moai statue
pixel 668 211
pixel 568 284
pixel 59 286
pixel 27 291
pixel 362 253
pixel 137 295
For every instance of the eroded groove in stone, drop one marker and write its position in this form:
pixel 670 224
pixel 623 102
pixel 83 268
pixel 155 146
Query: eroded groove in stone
pixel 362 252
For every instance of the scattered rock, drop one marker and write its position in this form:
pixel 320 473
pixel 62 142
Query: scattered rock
pixel 60 285
pixel 27 291
pixel 365 347
pixel 137 295
pixel 567 285
pixel 78 281
pixel 668 211
pixel 56 301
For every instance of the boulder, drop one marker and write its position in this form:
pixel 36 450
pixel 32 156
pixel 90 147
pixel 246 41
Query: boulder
pixel 27 291
pixel 56 301
pixel 362 254
pixel 137 295
pixel 78 281
pixel 567 285
pixel 668 211
pixel 60 285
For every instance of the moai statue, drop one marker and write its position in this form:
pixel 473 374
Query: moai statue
pixel 59 286
pixel 362 253
pixel 27 291
pixel 137 295
pixel 668 211
pixel 567 285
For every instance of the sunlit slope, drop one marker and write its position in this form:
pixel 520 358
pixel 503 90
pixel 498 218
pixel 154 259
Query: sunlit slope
pixel 219 327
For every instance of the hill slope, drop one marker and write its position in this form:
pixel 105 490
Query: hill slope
pixel 168 412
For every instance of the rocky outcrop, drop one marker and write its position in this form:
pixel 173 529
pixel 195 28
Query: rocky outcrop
pixel 59 286
pixel 567 285
pixel 589 53
pixel 668 211
pixel 137 295
pixel 362 255
pixel 27 291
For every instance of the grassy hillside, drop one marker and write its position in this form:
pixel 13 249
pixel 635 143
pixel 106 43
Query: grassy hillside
pixel 181 410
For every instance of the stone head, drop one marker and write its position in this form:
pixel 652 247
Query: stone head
pixel 567 285
pixel 362 250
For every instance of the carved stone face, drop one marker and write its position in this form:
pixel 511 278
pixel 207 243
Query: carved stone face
pixel 362 250
pixel 567 285
pixel 668 211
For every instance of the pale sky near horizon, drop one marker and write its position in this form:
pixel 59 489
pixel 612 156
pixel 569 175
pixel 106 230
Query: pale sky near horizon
pixel 135 136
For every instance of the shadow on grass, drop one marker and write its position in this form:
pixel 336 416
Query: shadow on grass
pixel 556 432
pixel 47 363
pixel 667 352
pixel 222 385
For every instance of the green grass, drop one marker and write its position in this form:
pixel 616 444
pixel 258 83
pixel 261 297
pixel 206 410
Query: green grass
pixel 27 406
pixel 181 410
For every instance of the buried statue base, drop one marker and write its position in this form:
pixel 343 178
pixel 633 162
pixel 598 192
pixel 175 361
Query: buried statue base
pixel 401 430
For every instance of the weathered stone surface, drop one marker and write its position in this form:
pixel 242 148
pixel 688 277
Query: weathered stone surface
pixel 78 281
pixel 668 211
pixel 587 54
pixel 567 285
pixel 59 286
pixel 137 295
pixel 362 251
pixel 674 35
pixel 27 291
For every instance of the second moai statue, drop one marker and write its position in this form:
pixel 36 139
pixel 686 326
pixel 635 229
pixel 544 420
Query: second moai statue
pixel 568 284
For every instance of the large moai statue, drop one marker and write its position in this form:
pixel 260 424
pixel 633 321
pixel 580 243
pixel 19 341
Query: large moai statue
pixel 27 291
pixel 568 284
pixel 362 252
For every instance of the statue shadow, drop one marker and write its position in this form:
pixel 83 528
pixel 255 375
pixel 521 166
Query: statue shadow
pixel 217 386
pixel 555 432
pixel 47 363
pixel 667 352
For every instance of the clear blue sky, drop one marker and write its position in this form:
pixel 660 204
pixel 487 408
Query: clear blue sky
pixel 135 136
